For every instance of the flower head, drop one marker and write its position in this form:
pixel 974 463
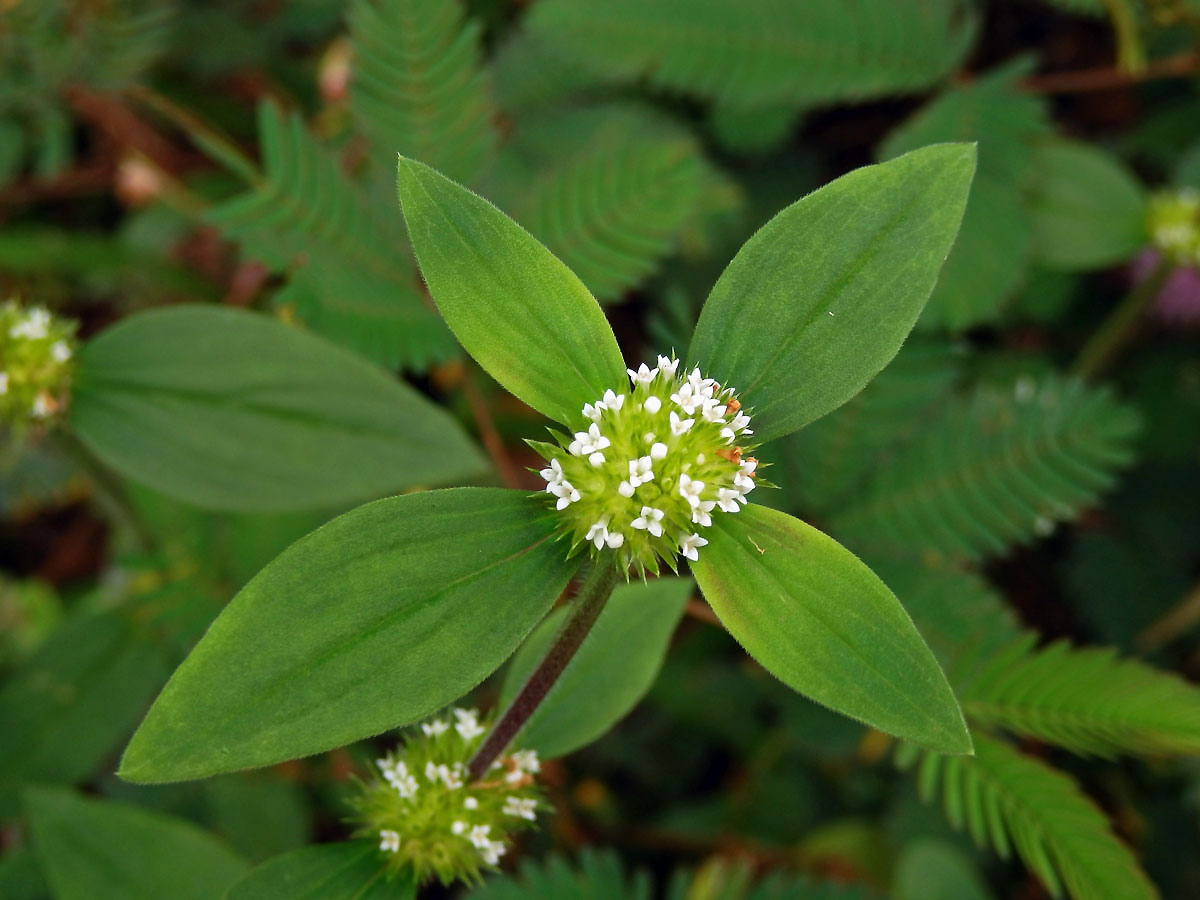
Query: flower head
pixel 651 467
pixel 36 350
pixel 1174 221
pixel 429 819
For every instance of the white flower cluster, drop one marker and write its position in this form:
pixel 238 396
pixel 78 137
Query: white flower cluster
pixel 430 818
pixel 34 350
pixel 1175 225
pixel 652 465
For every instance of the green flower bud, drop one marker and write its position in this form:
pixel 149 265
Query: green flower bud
pixel 429 820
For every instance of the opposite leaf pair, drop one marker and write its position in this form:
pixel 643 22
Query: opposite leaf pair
pixel 398 608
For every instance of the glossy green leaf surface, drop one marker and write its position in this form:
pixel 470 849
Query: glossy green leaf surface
pixel 822 296
pixel 98 850
pixel 376 619
pixel 351 870
pixel 516 308
pixel 611 671
pixel 824 624
pixel 1088 209
pixel 64 713
pixel 232 410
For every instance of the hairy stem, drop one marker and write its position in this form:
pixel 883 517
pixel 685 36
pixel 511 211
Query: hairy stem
pixel 1110 339
pixel 581 615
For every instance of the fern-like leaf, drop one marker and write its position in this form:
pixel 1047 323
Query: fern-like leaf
pixel 829 461
pixel 1007 800
pixel 996 468
pixel 762 52
pixel 611 189
pixel 595 875
pixel 989 259
pixel 350 274
pixel 418 88
pixel 1085 700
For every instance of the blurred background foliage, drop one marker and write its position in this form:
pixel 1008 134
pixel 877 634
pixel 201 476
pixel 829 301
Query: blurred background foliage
pixel 1024 475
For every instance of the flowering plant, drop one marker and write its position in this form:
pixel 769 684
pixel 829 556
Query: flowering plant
pixel 397 608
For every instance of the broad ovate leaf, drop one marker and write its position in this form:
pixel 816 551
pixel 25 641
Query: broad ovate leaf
pixel 229 409
pixel 823 623
pixel 351 870
pixel 98 850
pixel 374 620
pixel 610 673
pixel 822 296
pixel 516 308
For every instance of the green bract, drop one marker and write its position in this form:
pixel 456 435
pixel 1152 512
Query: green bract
pixel 393 610
pixel 1175 225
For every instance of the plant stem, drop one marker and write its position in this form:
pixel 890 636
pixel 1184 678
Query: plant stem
pixel 110 492
pixel 582 614
pixel 1116 331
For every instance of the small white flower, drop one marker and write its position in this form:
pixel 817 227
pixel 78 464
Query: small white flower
pixel 34 327
pixel 615 539
pixel 479 835
pixel 689 544
pixel 652 405
pixel 468 725
pixel 458 827
pixel 389 840
pixel 522 809
pixel 700 513
pixel 60 351
pixel 687 399
pixel 650 520
pixel 713 411
pixel 471 803
pixel 667 366
pixel 553 473
pixel 3 383
pixel 680 426
pixel 727 499
pixel 596 459
pixel 564 491
pixel 644 375
pixel 744 483
pixel 640 470
pixel 702 387
pixel 434 728
pixel 613 401
pixel 492 852
pixel 749 465
pixel 451 777
pixel 598 533
pixel 658 451
pixel 42 407
pixel 739 422
pixel 594 412
pixel 588 442
pixel 626 489
pixel 527 761
pixel 689 489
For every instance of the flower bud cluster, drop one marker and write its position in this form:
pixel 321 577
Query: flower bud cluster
pixel 430 820
pixel 650 467
pixel 1175 225
pixel 35 363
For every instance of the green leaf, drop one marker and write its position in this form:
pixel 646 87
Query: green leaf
pixel 609 674
pixel 820 621
pixel 758 52
pixel 1008 800
pixel 378 618
pixel 64 713
pixel 417 88
pixel 350 870
pixel 1084 699
pixel 997 467
pixel 596 874
pixel 97 850
pixel 518 310
pixel 1088 210
pixel 231 410
pixel 799 322
pixel 338 246
pixel 930 869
